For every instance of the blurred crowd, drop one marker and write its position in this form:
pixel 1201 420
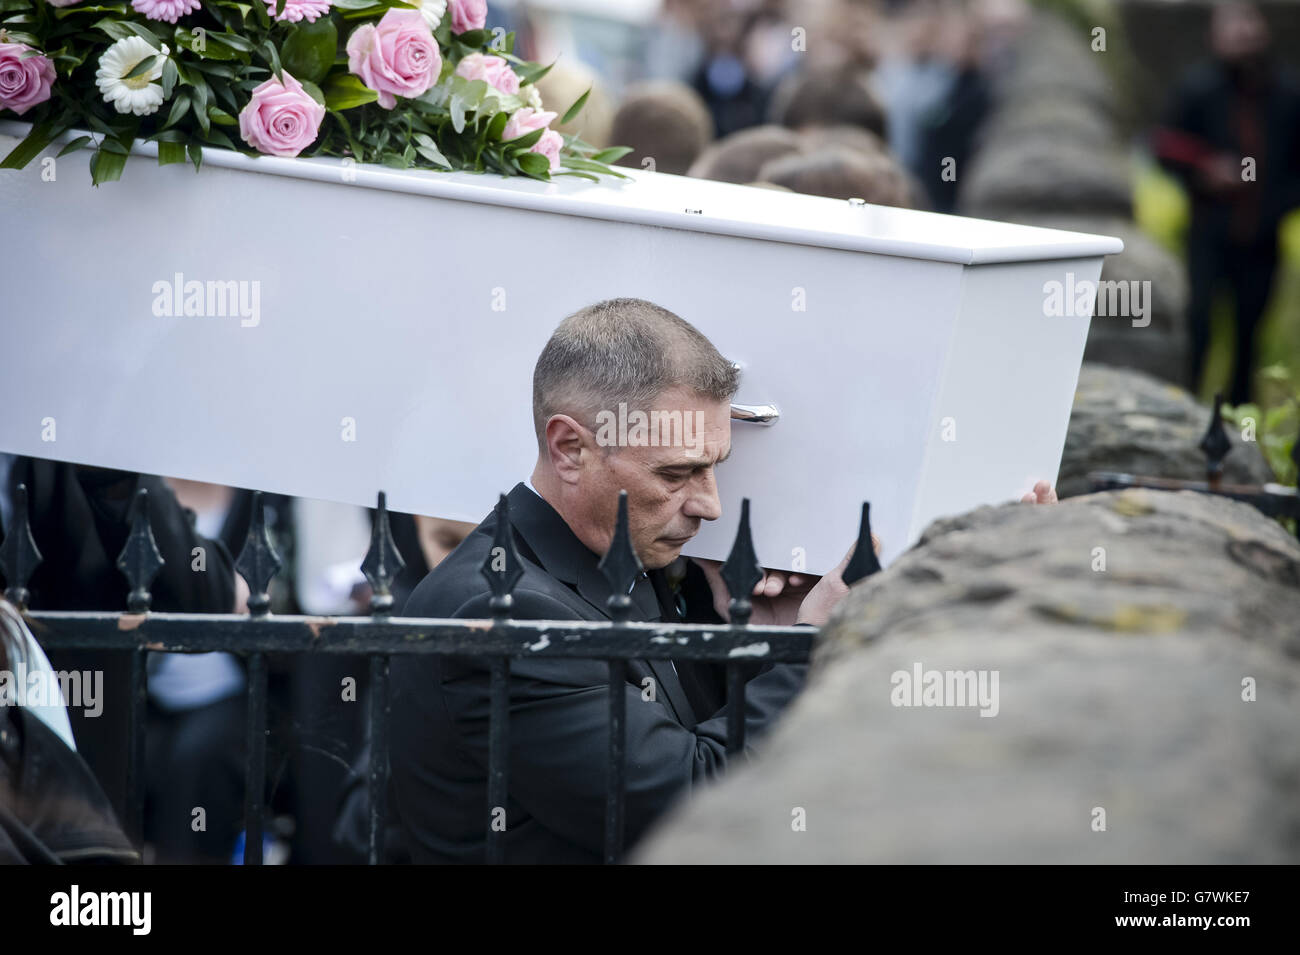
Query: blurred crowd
pixel 836 98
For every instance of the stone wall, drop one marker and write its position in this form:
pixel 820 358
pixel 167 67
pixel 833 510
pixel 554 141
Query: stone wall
pixel 1148 690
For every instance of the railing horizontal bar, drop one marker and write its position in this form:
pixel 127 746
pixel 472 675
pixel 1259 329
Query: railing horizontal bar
pixel 1273 500
pixel 234 633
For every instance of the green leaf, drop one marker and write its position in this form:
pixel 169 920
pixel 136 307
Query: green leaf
pixel 309 51
pixel 116 29
pixel 576 108
pixel 346 92
pixel 457 108
pixel 534 164
pixel 347 132
pixel 426 147
pixel 496 126
pixel 217 138
pixel 148 35
pixel 180 106
pixel 170 153
pixel 105 165
pixel 144 66
pixel 118 8
pixel 169 76
pixel 436 96
pixel 221 117
pixel 199 92
pixel 314 91
pixel 273 57
pixel 580 175
pixel 532 73
pixel 212 46
pixel 526 141
pixel 30 147
pixel 474 38
pixel 196 155
pixel 73 146
pixel 236 42
pixel 612 154
pixel 576 162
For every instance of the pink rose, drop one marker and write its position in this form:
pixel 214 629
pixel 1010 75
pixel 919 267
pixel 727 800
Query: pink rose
pixel 467 15
pixel 295 10
pixel 492 69
pixel 523 121
pixel 549 146
pixel 399 56
pixel 280 120
pixel 24 83
pixel 62 3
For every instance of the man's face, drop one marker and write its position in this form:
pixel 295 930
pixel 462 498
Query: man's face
pixel 671 487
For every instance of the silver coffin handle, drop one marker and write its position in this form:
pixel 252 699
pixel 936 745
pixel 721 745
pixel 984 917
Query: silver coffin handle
pixel 766 415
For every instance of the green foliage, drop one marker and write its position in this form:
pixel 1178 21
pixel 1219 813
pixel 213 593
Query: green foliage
pixel 1275 424
pixel 217 55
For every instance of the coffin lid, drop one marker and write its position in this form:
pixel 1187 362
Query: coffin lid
pixel 697 205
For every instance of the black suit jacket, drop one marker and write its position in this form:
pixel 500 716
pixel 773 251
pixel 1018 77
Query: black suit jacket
pixel 558 710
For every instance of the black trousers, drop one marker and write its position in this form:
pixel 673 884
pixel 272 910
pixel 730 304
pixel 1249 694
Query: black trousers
pixel 1246 271
pixel 195 762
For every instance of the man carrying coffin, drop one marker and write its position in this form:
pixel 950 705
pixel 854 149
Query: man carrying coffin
pixel 615 355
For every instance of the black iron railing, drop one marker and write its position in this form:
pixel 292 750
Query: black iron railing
pixel 380 636
pixel 1275 500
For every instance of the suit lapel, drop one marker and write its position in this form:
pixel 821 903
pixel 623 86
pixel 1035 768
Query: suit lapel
pixel 566 558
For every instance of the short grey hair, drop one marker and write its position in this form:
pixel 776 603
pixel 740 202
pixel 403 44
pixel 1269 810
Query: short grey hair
pixel 623 350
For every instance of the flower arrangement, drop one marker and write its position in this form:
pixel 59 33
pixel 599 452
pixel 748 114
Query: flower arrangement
pixel 420 84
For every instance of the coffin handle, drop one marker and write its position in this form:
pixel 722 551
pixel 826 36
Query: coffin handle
pixel 766 415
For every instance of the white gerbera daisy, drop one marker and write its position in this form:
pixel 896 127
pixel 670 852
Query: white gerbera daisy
pixel 432 11
pixel 141 94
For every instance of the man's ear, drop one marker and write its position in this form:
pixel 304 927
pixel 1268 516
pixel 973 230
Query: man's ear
pixel 564 441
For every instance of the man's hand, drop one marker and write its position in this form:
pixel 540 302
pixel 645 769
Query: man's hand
pixel 782 597
pixel 1043 493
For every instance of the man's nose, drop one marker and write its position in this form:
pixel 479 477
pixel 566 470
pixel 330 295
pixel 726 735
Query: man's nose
pixel 703 502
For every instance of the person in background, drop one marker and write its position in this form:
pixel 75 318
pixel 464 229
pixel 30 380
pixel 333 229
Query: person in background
pixel 912 79
pixel 52 809
pixel 1232 135
pixel 80 519
pixel 724 79
pixel 948 128
pixel 840 173
pixel 738 157
pixel 827 96
pixel 664 121
pixel 195 720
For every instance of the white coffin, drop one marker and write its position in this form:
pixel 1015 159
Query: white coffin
pixel 416 303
